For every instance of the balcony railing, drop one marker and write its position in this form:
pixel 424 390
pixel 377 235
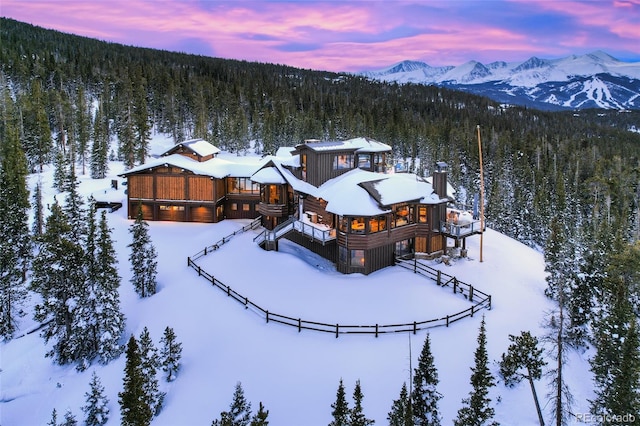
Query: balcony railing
pixel 458 230
pixel 320 233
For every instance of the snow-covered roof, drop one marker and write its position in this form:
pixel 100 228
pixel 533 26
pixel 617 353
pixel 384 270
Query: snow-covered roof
pixel 345 196
pixel 215 167
pixel 199 146
pixel 269 175
pixel 398 188
pixel 360 144
pixel 368 145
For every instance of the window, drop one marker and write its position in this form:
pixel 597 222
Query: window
pixel 174 208
pixel 377 224
pixel 246 207
pixel 242 185
pixel 422 214
pixel 402 215
pixel 357 258
pixel 343 162
pixel 357 225
pixel 379 162
pixel 403 247
pixel 234 206
pixel 364 161
pixel 303 165
pixel 342 224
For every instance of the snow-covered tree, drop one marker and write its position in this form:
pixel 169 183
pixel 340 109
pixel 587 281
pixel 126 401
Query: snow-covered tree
pixel 96 409
pixel 134 406
pixel 476 410
pixel 15 244
pixel 356 414
pixel 142 258
pixel 38 211
pixel 340 407
pixel 425 396
pixel 523 360
pixel 401 412
pixel 239 413
pixel 111 319
pixel 170 353
pixel 69 419
pixel 99 164
pixel 616 364
pixel 58 276
pixel 149 364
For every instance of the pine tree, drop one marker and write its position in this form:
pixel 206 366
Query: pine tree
pixel 260 418
pixel 401 413
pixel 15 245
pixel 60 170
pixel 58 276
pixel 142 258
pixel 110 318
pixel 340 407
pixel 82 127
pixel 425 396
pixel 99 322
pixel 149 365
pixel 134 406
pixel 69 419
pixel 54 418
pixel 100 147
pixel 523 354
pixel 74 206
pixel 356 414
pixel 38 211
pixel 170 354
pixel 476 409
pixel 96 408
pixel 616 364
pixel 239 413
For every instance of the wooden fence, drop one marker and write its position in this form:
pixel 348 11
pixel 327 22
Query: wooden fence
pixel 479 299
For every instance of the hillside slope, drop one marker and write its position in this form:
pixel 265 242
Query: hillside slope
pixel 294 374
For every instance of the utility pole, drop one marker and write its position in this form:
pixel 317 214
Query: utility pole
pixel 481 194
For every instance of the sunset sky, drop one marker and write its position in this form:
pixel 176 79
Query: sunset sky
pixel 350 35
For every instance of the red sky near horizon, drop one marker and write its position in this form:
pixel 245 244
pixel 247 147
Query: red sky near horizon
pixel 350 35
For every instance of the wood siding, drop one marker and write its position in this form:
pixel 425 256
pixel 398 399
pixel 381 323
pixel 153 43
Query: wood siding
pixel 320 165
pixel 200 188
pixel 170 187
pixel 140 186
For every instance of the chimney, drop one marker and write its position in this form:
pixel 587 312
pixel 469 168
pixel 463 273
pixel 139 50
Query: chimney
pixel 439 181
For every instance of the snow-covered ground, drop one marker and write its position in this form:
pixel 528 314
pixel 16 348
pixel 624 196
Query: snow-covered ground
pixel 294 374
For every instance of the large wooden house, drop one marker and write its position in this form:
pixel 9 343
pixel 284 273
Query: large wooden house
pixel 335 198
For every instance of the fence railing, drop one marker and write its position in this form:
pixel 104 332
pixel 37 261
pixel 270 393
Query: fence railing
pixel 479 300
pixel 292 224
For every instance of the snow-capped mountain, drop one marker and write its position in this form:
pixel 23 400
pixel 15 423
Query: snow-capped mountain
pixel 594 80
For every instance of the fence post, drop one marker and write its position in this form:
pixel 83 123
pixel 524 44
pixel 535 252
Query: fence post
pixel 267 317
pixel 439 282
pixel 205 251
pixel 337 328
pixel 414 327
pixel 472 306
pixel 188 261
pixel 199 271
pixel 376 330
pixel 246 303
pixel 470 293
pixel 489 302
pixel 228 291
pixel 299 325
pixel 415 264
pixel 455 285
pixel 447 320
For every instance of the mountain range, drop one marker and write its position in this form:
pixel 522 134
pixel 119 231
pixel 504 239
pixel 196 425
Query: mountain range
pixel 594 80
